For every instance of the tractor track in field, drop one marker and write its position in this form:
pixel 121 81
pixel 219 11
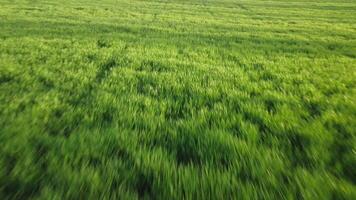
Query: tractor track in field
pixel 86 96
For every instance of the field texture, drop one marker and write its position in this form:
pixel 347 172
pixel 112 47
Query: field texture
pixel 177 99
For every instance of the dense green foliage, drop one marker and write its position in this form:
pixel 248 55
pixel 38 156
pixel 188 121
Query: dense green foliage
pixel 177 99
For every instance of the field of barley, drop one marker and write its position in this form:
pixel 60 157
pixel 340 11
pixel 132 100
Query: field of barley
pixel 178 99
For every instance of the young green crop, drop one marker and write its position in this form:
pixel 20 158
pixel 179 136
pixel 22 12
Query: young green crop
pixel 176 99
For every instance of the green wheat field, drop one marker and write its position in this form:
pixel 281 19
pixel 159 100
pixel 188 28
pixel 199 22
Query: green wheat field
pixel 178 99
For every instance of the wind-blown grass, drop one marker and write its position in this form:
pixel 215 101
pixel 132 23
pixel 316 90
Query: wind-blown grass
pixel 177 99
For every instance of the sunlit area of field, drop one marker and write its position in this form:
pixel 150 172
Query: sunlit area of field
pixel 178 99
